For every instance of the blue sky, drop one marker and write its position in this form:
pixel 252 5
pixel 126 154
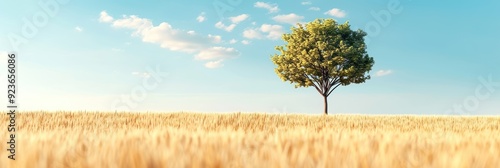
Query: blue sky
pixel 214 56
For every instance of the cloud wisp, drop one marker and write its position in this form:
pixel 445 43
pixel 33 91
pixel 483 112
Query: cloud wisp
pixel 382 72
pixel 268 31
pixel 201 17
pixel 335 12
pixel 173 39
pixel 272 8
pixel 234 22
pixel 291 18
pixel 78 29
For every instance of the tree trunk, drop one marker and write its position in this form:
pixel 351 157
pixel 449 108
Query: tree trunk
pixel 326 104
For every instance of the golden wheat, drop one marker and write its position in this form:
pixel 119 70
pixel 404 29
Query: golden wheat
pixel 121 140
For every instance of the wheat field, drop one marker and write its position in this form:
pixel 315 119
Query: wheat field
pixel 121 140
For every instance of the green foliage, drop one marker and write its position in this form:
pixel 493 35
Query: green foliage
pixel 323 54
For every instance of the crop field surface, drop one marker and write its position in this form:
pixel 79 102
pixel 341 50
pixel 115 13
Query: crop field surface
pixel 121 140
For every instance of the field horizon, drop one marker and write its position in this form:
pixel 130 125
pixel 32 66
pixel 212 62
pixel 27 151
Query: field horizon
pixel 183 139
pixel 252 112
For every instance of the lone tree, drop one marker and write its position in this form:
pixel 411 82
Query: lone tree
pixel 323 54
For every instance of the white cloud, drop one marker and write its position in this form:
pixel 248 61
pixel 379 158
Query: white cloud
pixel 142 25
pixel 272 8
pixel 239 18
pixel 78 29
pixel 246 42
pixel 221 25
pixel 215 38
pixel 291 18
pixel 254 23
pixel 335 12
pixel 273 31
pixel 234 21
pixel 174 39
pixel 383 73
pixel 266 30
pixel 252 34
pixel 306 3
pixel 141 75
pixel 216 53
pixel 232 41
pixel 104 17
pixel 314 8
pixel 214 64
pixel 201 17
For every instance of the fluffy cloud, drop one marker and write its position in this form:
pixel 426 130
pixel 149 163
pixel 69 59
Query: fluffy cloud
pixel 252 34
pixel 246 42
pixel 234 21
pixel 383 73
pixel 306 3
pixel 214 64
pixel 174 39
pixel 78 29
pixel 232 41
pixel 221 25
pixel 104 17
pixel 335 12
pixel 273 32
pixel 291 18
pixel 272 8
pixel 201 17
pixel 239 18
pixel 314 8
pixel 216 53
pixel 215 38
pixel 142 25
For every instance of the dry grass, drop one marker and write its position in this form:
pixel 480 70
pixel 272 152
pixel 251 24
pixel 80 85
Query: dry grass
pixel 251 140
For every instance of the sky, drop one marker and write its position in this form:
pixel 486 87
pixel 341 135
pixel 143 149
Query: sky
pixel 431 57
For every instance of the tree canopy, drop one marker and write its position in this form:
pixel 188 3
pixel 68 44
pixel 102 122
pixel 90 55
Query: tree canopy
pixel 325 55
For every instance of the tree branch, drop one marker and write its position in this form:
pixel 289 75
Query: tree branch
pixel 312 78
pixel 334 81
pixel 314 84
pixel 325 83
pixel 333 89
pixel 317 88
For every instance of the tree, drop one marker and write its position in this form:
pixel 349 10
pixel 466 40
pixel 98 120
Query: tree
pixel 323 54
